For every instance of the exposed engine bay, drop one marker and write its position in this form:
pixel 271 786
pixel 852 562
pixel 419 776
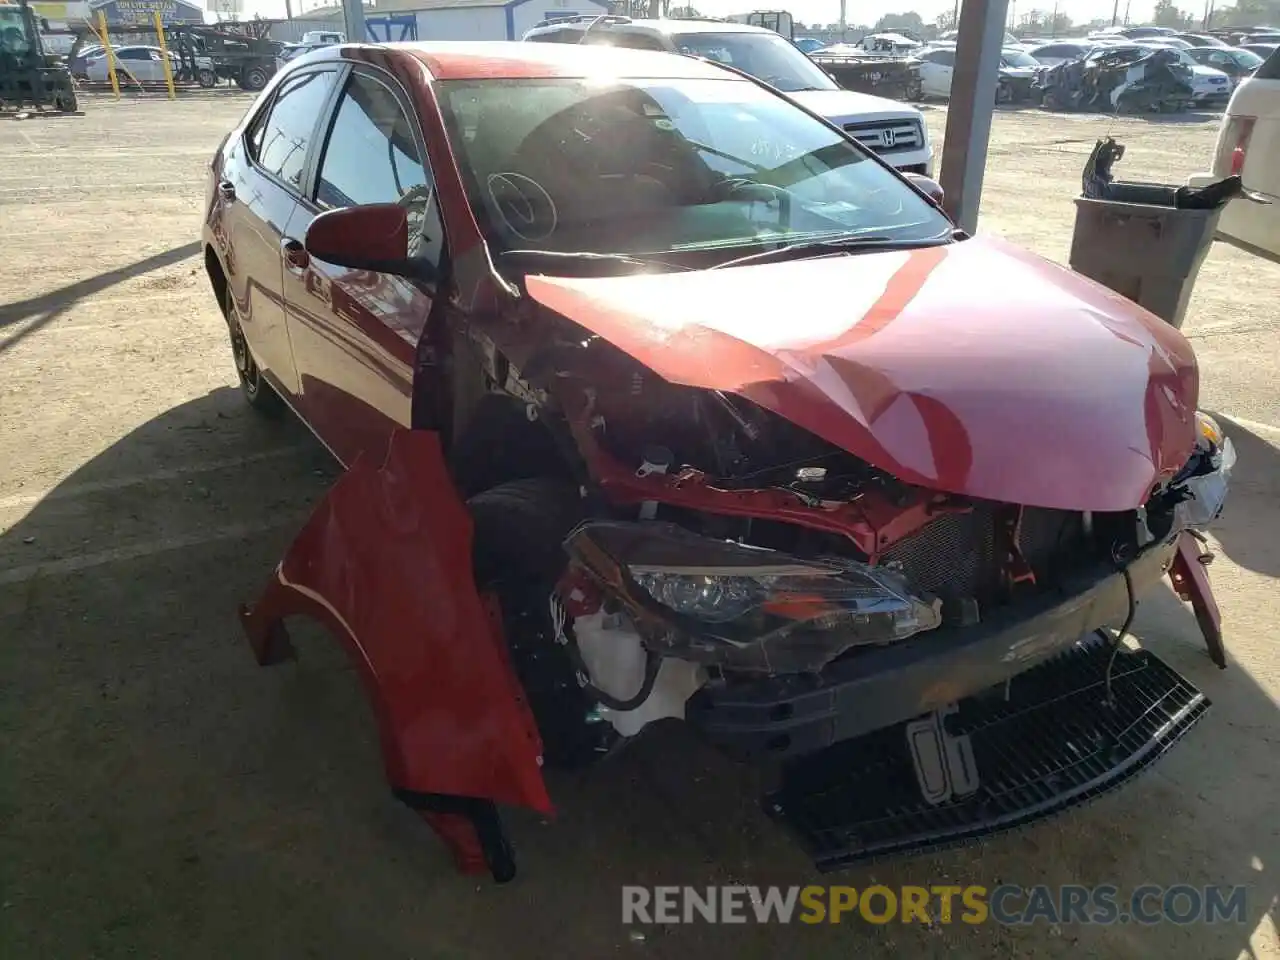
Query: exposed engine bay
pixel 730 542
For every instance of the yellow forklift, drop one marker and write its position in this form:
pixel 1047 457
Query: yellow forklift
pixel 28 77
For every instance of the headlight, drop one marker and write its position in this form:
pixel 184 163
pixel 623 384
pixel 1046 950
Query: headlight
pixel 742 607
pixel 1207 431
pixel 1210 472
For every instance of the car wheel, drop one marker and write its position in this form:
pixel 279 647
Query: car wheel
pixel 255 388
pixel 206 77
pixel 66 101
pixel 254 78
pixel 518 558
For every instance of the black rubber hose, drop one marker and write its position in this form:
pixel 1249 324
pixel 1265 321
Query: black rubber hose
pixel 652 664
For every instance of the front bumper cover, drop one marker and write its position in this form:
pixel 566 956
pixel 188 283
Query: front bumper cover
pixel 784 717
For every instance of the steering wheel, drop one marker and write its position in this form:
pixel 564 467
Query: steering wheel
pixel 766 193
pixel 887 203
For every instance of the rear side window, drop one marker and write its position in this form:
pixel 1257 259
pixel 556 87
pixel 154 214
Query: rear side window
pixel 286 136
pixel 631 41
pixel 1271 69
pixel 253 136
pixel 557 36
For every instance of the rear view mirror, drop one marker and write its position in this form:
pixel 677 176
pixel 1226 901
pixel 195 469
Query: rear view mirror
pixel 370 237
pixel 928 186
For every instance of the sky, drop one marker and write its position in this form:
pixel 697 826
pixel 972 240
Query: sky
pixel 857 11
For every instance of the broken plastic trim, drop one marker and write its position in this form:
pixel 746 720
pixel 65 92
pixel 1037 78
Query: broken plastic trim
pixel 991 763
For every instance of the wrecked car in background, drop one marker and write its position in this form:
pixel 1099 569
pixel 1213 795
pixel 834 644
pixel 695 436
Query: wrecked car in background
pixel 1119 79
pixel 601 472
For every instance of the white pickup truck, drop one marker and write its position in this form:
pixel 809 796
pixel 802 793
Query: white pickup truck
pixel 1249 145
pixel 894 130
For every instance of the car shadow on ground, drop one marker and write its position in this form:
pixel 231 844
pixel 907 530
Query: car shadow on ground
pixel 163 790
pixel 1256 479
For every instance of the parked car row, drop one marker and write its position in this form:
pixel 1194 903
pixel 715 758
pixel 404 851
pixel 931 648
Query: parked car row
pixel 138 61
pixel 1211 69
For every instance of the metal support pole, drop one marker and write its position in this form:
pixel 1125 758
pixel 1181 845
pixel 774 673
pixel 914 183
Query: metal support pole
pixel 973 101
pixel 164 52
pixel 353 18
pixel 110 55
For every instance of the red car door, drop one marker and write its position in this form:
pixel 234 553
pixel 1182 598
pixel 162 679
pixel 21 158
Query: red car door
pixel 354 332
pixel 259 187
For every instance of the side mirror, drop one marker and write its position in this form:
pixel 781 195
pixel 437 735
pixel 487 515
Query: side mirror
pixel 370 237
pixel 928 186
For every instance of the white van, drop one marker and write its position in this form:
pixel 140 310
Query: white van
pixel 1249 144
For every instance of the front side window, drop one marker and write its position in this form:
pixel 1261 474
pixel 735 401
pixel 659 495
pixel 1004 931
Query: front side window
pixel 13 31
pixel 286 137
pixel 943 58
pixel 372 156
pixel 766 56
pixel 647 166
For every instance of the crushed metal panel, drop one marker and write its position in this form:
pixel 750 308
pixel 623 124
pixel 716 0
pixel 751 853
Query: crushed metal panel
pixel 385 563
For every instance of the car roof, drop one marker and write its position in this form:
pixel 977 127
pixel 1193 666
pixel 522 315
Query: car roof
pixel 503 59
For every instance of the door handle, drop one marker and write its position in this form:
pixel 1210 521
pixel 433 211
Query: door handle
pixel 295 254
pixel 227 190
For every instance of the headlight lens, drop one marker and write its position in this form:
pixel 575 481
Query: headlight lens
pixel 744 607
pixel 1207 485
pixel 1208 431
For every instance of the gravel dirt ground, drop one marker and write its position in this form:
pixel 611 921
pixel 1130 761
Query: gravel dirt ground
pixel 160 796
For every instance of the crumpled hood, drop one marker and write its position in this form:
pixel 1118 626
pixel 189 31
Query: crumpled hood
pixel 974 368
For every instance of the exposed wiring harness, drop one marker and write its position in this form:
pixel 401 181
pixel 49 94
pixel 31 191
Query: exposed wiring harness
pixel 1120 634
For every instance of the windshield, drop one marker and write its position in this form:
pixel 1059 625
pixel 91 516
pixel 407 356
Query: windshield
pixel 1248 60
pixel 1016 58
pixel 766 56
pixel 666 166
pixel 13 31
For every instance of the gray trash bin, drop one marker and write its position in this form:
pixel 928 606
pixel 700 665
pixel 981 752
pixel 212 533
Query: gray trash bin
pixel 1150 254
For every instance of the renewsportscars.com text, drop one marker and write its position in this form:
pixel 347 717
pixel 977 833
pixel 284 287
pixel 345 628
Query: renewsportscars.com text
pixel 1007 904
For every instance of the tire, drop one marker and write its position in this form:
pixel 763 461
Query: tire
pixel 254 78
pixel 517 556
pixel 253 387
pixel 66 101
pixel 206 77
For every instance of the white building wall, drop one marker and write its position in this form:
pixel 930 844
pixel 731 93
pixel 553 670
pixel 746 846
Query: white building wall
pixel 463 23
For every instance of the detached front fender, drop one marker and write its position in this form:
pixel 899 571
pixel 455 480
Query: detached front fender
pixel 385 563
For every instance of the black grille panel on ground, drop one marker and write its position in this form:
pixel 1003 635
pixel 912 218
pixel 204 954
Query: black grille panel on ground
pixel 954 557
pixel 1051 745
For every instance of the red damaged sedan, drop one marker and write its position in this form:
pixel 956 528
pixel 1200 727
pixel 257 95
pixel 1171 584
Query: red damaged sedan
pixel 661 397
